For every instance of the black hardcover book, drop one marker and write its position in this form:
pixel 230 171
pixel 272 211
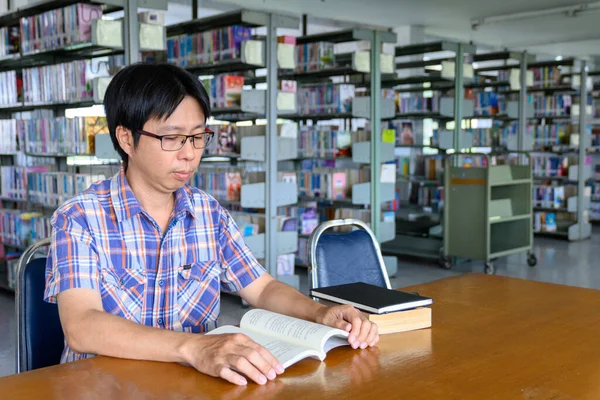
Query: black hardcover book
pixel 370 298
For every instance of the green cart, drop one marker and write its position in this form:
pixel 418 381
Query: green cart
pixel 488 209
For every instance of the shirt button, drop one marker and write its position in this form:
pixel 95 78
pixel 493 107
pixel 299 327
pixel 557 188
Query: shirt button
pixel 160 321
pixel 161 282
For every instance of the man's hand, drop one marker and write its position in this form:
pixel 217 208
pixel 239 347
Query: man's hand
pixel 363 333
pixel 229 356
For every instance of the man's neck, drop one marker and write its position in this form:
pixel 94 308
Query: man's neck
pixel 155 203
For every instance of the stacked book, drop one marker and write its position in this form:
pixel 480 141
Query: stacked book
pixel 393 311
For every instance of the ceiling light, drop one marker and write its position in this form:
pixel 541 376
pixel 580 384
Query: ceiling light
pixel 569 11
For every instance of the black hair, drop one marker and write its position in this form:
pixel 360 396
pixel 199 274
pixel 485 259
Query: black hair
pixel 140 92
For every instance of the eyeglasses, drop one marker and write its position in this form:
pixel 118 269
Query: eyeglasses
pixel 176 142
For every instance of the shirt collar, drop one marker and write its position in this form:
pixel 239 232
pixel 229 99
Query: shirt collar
pixel 127 206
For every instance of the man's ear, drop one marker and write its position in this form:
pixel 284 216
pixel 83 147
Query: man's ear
pixel 125 139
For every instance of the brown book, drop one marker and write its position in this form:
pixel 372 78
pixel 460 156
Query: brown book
pixel 402 321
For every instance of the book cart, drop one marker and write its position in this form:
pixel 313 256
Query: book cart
pixel 488 209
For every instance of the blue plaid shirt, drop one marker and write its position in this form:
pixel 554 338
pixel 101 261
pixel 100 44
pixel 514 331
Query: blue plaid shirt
pixel 102 239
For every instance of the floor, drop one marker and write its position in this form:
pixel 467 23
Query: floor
pixel 558 262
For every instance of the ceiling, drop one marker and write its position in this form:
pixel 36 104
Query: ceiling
pixel 553 34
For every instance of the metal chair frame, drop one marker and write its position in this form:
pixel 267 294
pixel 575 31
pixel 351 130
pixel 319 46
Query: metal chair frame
pixel 24 260
pixel 314 239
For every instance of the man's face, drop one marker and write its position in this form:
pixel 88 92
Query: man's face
pixel 164 170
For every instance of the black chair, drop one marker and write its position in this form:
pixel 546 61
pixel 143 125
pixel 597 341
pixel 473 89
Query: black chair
pixel 339 258
pixel 40 339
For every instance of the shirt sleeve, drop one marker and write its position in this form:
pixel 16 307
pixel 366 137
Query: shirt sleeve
pixel 72 261
pixel 240 267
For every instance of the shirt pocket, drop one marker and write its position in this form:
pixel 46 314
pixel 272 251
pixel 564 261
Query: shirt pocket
pixel 125 292
pixel 198 293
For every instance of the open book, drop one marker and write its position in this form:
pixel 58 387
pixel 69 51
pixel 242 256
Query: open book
pixel 288 339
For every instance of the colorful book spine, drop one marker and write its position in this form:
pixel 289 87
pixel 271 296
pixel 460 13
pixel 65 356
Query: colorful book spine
pixel 325 98
pixel 54 188
pixel 207 47
pixel 60 83
pixel 222 184
pixel 58 135
pixel 58 28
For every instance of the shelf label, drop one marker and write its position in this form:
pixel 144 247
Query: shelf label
pixel 388 136
pixel 253 52
pixel 152 37
pixel 286 56
pixel 361 61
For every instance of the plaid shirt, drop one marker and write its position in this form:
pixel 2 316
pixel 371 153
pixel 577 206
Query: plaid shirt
pixel 104 240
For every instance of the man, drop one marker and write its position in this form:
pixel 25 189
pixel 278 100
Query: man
pixel 137 262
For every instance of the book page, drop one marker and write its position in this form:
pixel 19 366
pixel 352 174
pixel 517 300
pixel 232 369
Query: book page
pixel 293 330
pixel 287 353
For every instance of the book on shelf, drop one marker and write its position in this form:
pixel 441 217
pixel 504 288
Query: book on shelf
pixel 207 47
pixel 371 298
pixel 11 88
pixel 223 183
pixel 58 83
pixel 58 28
pixel 289 339
pixel 330 98
pixel 9 41
pixel 558 105
pixel 225 90
pixel 315 56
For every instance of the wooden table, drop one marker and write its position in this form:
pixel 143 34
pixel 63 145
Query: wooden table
pixel 492 338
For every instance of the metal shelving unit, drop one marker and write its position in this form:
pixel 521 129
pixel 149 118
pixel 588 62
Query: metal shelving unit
pixel 271 194
pixel 419 231
pixel 127 43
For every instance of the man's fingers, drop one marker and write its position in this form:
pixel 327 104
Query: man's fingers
pixel 270 358
pixel 355 332
pixel 241 364
pixel 231 376
pixel 365 328
pixel 373 337
pixel 343 325
pixel 262 360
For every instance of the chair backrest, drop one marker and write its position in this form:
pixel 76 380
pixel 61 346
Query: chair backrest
pixel 40 339
pixel 349 257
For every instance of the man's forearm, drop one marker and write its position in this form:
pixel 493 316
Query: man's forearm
pixel 281 298
pixel 98 332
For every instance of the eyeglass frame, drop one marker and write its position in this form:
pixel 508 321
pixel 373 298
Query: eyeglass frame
pixel 207 131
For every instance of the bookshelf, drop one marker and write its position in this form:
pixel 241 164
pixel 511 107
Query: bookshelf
pixel 258 149
pixel 363 69
pixel 536 111
pixel 429 86
pixel 572 217
pixel 36 120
